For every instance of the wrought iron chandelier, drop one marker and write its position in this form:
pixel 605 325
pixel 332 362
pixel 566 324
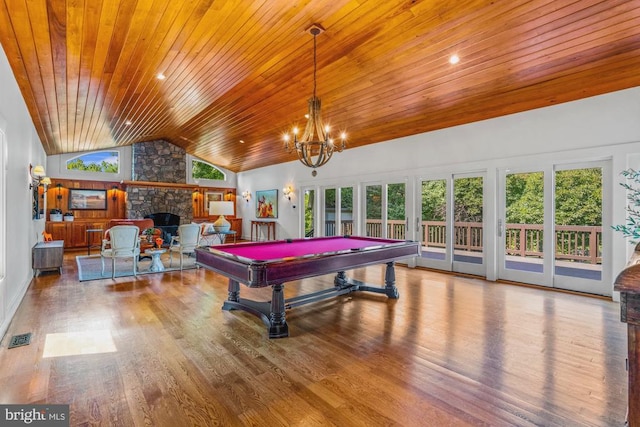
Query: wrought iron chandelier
pixel 316 146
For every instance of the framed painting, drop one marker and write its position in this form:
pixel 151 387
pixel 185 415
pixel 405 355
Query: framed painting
pixel 87 199
pixel 212 196
pixel 267 204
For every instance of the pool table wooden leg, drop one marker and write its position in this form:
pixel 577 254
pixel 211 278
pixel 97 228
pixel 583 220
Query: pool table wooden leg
pixel 234 291
pixel 390 281
pixel 278 327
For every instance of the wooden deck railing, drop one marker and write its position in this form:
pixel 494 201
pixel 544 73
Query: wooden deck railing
pixel 573 242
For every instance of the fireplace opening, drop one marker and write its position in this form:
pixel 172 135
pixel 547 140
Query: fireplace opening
pixel 167 222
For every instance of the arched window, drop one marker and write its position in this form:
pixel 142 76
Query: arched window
pixel 97 161
pixel 204 170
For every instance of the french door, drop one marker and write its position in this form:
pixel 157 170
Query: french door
pixel 550 227
pixel 338 211
pixel 385 210
pixel 450 223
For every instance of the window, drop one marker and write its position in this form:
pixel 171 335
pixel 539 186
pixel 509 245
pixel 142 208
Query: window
pixel 204 170
pixel 98 161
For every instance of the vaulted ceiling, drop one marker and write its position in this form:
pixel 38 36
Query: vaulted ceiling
pixel 243 70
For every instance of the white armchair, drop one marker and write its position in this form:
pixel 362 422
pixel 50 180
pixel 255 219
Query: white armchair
pixel 186 242
pixel 124 242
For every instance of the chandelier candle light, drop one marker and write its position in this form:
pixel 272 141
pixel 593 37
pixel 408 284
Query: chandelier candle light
pixel 316 146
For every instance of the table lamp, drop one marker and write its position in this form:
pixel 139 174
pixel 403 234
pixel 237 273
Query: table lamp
pixel 222 209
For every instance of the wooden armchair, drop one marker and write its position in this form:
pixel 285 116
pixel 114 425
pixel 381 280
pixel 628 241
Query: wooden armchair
pixel 123 242
pixel 186 242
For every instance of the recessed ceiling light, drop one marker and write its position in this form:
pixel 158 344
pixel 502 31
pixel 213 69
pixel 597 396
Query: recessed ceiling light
pixel 160 76
pixel 454 59
pixel 242 141
pixel 128 123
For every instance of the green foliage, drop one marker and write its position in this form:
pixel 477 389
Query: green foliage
pixel 396 201
pixel 202 170
pixel 434 201
pixel 632 227
pixel 105 167
pixel 346 199
pixel 579 197
pixel 467 195
pixel 374 202
pixel 309 200
pixel 525 198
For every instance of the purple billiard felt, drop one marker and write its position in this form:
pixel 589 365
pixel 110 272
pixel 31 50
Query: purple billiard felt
pixel 301 247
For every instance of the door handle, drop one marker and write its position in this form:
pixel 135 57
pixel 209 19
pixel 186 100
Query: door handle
pixel 500 230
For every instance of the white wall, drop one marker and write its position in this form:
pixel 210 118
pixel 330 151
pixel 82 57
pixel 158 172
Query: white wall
pixel 605 127
pixel 23 147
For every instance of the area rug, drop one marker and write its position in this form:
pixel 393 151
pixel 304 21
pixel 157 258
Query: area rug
pixel 90 267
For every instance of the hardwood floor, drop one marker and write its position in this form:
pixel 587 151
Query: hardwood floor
pixel 451 351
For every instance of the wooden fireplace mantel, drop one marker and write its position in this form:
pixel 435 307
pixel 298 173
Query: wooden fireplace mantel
pixel 191 187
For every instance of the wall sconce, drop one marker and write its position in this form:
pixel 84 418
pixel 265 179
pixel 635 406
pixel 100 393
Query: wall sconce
pixel 46 181
pixel 246 194
pixel 229 196
pixel 287 191
pixel 59 196
pixel 37 175
pixel 114 196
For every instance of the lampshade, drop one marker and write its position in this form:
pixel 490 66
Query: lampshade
pixel 38 171
pixel 45 181
pixel 222 209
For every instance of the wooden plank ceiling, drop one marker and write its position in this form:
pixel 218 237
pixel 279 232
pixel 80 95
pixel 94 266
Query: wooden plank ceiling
pixel 242 70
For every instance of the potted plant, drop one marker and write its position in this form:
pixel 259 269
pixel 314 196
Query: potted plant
pixel 55 215
pixel 68 216
pixel 149 233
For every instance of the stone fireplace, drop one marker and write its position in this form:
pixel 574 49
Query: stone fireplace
pixel 160 168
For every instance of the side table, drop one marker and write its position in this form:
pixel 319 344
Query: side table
pixel 257 225
pixel 90 232
pixel 156 262
pixel 47 256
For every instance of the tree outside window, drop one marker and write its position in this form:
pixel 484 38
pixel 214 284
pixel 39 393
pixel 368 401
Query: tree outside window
pixel 202 170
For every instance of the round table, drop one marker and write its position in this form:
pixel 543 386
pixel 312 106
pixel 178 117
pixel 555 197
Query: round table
pixel 156 263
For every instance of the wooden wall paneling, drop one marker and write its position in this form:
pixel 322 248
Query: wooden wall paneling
pixel 58 231
pixel 202 211
pixel 115 208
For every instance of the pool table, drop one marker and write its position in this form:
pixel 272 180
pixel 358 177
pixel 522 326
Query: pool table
pixel 272 263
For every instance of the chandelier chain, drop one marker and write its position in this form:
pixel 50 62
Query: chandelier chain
pixel 314 152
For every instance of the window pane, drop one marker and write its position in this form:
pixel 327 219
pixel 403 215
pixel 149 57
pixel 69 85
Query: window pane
pixel 578 215
pixel 434 226
pixel 309 212
pixel 373 211
pixel 202 170
pixel 101 161
pixel 346 211
pixel 330 212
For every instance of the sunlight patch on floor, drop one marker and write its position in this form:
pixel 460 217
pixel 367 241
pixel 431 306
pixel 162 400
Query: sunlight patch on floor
pixel 76 343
